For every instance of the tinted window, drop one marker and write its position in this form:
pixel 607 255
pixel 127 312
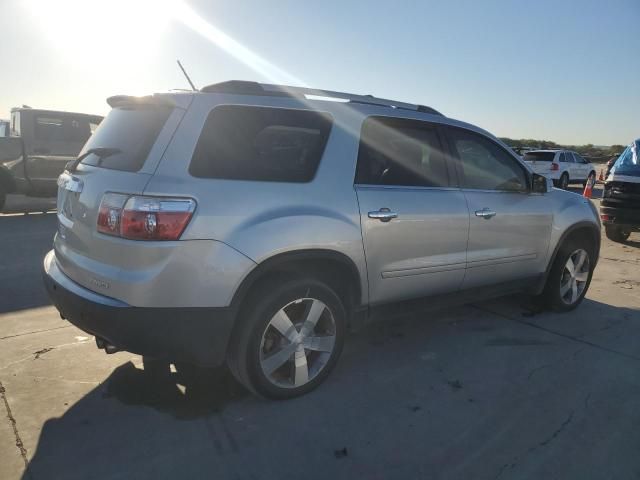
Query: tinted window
pixel 15 124
pixel 260 143
pixel 485 165
pixel 400 152
pixel 564 158
pixel 539 156
pixel 628 162
pixel 61 128
pixel 132 131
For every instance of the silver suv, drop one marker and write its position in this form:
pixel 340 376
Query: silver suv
pixel 253 224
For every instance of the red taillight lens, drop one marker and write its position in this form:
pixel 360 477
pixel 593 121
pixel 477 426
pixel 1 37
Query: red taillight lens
pixel 555 167
pixel 144 218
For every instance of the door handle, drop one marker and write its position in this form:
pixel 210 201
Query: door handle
pixel 384 215
pixel 485 213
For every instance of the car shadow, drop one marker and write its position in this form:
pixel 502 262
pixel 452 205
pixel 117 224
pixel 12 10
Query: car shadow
pixel 415 382
pixel 185 394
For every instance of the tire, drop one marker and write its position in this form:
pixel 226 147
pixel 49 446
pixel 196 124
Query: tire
pixel 263 358
pixel 563 183
pixel 555 294
pixel 616 233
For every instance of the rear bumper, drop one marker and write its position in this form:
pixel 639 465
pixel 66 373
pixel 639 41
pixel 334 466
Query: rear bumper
pixel 193 335
pixel 629 217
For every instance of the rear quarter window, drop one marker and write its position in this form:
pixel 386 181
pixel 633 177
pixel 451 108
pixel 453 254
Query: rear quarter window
pixel 261 144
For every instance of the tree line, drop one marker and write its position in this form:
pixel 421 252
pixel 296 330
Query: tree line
pixel 588 150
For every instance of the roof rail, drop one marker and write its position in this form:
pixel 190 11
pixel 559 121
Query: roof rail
pixel 242 87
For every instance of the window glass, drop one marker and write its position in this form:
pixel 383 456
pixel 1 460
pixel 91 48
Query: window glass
pixel 578 159
pixel 131 132
pixel 400 152
pixel 62 128
pixel 539 156
pixel 15 124
pixel 261 144
pixel 484 165
pixel 564 158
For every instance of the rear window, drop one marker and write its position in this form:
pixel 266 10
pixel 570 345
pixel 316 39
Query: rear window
pixel 261 144
pixel 539 156
pixel 132 131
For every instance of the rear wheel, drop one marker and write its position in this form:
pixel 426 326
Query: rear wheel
pixel 563 183
pixel 290 340
pixel 617 233
pixel 570 276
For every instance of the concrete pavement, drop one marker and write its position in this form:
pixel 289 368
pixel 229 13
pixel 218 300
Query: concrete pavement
pixel 485 391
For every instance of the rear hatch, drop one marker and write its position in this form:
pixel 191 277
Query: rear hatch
pixel 540 162
pixel 120 157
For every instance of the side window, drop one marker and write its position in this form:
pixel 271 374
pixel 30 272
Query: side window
pixel 578 159
pixel 484 165
pixel 261 144
pixel 15 124
pixel 400 152
pixel 562 158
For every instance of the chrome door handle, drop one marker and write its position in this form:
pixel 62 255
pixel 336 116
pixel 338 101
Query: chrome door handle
pixel 384 215
pixel 485 213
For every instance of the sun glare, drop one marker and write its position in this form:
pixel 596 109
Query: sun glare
pixel 102 32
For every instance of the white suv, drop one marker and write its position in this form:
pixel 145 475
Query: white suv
pixel 561 166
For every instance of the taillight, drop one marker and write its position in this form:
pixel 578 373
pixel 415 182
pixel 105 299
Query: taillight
pixel 144 218
pixel 555 167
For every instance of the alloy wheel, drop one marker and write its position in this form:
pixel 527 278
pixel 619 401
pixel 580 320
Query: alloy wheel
pixel 574 276
pixel 297 343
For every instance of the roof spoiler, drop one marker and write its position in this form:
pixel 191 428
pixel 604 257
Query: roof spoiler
pixel 130 100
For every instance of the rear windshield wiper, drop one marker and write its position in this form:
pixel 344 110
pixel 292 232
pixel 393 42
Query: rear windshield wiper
pixel 100 152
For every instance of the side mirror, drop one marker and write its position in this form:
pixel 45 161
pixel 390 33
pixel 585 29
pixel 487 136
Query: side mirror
pixel 539 183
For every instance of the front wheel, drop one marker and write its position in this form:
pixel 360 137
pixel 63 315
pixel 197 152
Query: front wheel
pixel 617 233
pixel 290 340
pixel 570 276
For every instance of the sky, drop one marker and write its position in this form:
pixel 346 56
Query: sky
pixel 561 70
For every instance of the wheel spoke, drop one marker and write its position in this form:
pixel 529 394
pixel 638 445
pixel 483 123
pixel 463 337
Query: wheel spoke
pixel 320 343
pixel 582 256
pixel 275 361
pixel 574 291
pixel 317 307
pixel 570 266
pixel 582 276
pixel 301 369
pixel 284 325
pixel 565 288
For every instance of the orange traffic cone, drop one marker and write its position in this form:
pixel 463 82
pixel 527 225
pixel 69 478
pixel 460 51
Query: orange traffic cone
pixel 601 178
pixel 588 188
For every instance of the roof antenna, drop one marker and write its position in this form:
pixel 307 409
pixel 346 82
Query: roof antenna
pixel 193 87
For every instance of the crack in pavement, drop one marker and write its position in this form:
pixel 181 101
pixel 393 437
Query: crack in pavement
pixel 14 426
pixel 559 334
pixel 35 331
pixel 555 434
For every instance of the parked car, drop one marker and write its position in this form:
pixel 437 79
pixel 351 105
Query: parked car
pixel 39 145
pixel 253 224
pixel 620 205
pixel 564 167
pixel 4 128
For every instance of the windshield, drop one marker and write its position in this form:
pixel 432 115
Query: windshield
pixel 539 156
pixel 130 131
pixel 629 162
